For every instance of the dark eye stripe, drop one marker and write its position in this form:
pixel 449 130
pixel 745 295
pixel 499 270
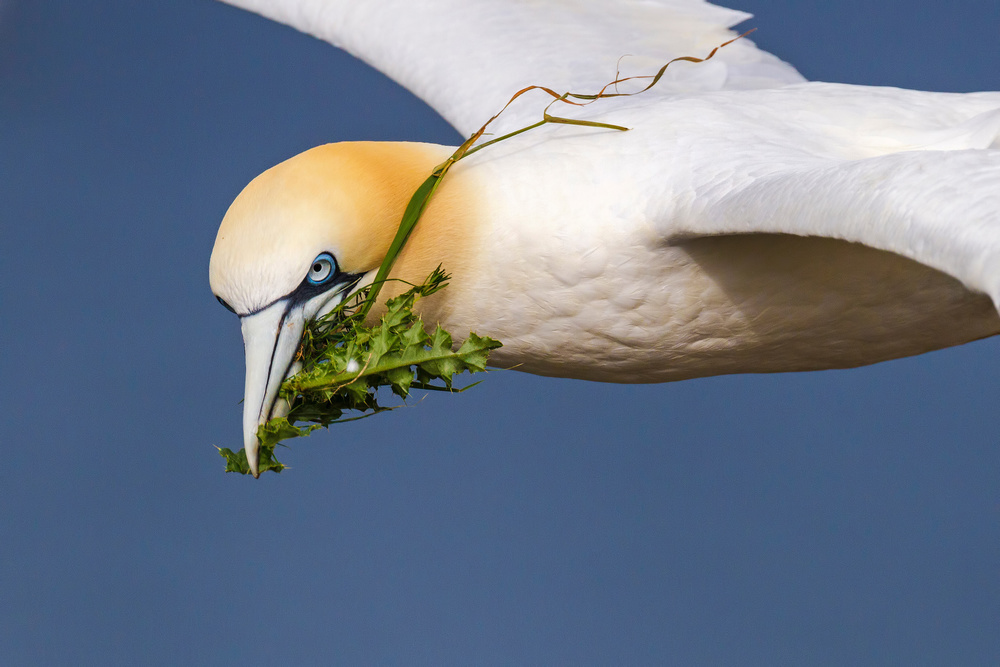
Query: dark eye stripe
pixel 308 288
pixel 226 305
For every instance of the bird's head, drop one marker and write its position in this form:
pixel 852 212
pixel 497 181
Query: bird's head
pixel 296 241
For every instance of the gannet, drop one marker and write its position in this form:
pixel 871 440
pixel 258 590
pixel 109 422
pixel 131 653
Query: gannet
pixel 748 221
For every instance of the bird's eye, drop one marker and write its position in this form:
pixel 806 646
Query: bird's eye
pixel 323 268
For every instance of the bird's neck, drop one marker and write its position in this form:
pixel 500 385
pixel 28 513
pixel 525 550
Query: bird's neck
pixel 446 235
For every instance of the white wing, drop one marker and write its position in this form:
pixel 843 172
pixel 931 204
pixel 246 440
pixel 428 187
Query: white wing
pixel 467 57
pixel 939 208
pixel 910 172
pixel 736 145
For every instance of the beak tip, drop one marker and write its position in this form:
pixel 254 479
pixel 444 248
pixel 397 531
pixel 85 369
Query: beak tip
pixel 253 459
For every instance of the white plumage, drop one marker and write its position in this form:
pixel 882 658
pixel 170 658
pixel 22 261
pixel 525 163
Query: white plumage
pixel 749 220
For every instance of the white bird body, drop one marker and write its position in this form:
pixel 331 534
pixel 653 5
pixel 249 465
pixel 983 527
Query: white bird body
pixel 612 284
pixel 747 222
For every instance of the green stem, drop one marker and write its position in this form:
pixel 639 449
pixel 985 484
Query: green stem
pixel 414 209
pixel 506 136
pixel 347 378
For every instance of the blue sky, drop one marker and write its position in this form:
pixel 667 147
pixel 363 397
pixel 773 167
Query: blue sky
pixel 846 517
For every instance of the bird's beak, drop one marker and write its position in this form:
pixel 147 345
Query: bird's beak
pixel 271 338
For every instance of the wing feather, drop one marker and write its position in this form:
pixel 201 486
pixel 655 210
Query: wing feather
pixel 467 57
pixel 940 208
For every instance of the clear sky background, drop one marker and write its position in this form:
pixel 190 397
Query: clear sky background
pixel 842 517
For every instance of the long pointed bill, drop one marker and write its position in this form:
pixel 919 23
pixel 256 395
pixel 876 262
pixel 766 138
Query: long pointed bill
pixel 271 338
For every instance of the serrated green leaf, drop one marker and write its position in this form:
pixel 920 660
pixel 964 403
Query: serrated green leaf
pixel 276 430
pixel 475 351
pixel 237 461
pixel 400 378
